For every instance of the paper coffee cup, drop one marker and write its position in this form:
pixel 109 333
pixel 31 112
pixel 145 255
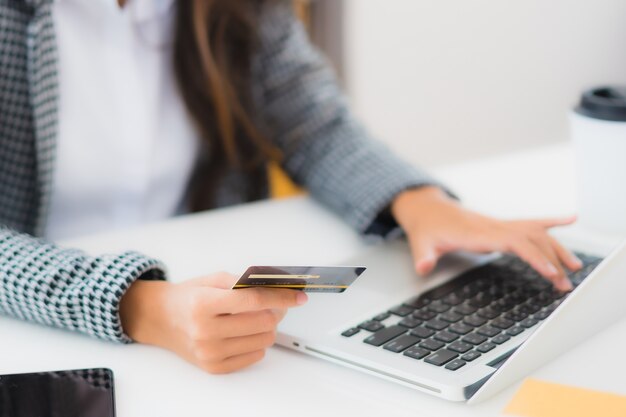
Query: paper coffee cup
pixel 598 129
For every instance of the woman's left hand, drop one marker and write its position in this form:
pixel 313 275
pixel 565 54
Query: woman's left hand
pixel 436 224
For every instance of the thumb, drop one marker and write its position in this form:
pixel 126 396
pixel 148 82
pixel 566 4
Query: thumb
pixel 425 256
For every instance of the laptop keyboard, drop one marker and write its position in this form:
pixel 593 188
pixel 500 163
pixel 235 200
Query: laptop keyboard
pixel 457 322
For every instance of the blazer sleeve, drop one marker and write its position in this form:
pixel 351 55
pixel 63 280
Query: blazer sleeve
pixel 66 288
pixel 325 149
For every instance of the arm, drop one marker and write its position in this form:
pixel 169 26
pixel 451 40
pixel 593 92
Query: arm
pixel 325 148
pixel 124 298
pixel 331 154
pixel 66 288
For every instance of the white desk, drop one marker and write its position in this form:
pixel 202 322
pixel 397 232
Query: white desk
pixel 151 382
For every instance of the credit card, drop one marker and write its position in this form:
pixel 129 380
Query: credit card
pixel 305 278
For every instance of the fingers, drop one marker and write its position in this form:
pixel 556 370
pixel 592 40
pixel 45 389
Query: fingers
pixel 425 255
pixel 549 223
pixel 561 282
pixel 255 299
pixel 570 260
pixel 227 355
pixel 531 253
pixel 280 313
pixel 235 363
pixel 249 323
pixel 240 345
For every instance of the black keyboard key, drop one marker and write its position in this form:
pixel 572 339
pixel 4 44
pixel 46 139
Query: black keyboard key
pixel 431 344
pixel 501 338
pixel 351 332
pixel 416 352
pixel 371 326
pixel 474 339
pixel 382 316
pixel 550 309
pixel 488 331
pixel 481 300
pixel 543 299
pixel 442 290
pixel 465 309
pixel 488 313
pixel 470 356
pixel 436 324
pixel 451 316
pixel 424 314
pixel 533 308
pixel 460 328
pixel 525 309
pixel 503 305
pixel 383 336
pixel 438 306
pixel 418 302
pixel 541 284
pixel 542 315
pixel 409 322
pixel 460 346
pixel 445 336
pixel 530 292
pixel 440 357
pixel 502 323
pixel 469 291
pixel 399 344
pixel 474 320
pixel 421 332
pixel 529 322
pixel 455 364
pixel 514 331
pixel 453 299
pixel 401 310
pixel 485 347
pixel 515 316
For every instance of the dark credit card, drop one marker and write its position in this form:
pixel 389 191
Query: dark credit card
pixel 304 278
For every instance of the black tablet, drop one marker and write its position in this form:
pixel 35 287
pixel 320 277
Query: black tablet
pixel 77 393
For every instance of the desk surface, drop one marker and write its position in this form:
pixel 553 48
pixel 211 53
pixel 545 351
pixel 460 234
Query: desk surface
pixel 152 382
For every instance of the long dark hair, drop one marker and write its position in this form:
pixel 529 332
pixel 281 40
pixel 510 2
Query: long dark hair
pixel 214 44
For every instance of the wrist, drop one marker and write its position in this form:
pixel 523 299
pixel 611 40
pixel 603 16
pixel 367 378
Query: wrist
pixel 406 204
pixel 142 311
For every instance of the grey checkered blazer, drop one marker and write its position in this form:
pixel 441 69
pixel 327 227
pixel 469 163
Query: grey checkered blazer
pixel 325 150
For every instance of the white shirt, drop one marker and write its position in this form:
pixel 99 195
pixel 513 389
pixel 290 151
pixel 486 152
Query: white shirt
pixel 126 147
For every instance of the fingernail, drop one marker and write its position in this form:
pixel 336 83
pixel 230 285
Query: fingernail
pixel 576 260
pixel 551 269
pixel 425 264
pixel 301 298
pixel 566 285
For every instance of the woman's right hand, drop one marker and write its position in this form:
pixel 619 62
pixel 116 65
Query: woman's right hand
pixel 204 321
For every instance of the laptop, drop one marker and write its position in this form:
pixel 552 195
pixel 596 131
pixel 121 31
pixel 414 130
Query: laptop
pixel 475 326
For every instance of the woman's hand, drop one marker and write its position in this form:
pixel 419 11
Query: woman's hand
pixel 204 321
pixel 436 224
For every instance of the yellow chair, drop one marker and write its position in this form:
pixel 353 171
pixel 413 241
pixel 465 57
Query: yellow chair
pixel 281 185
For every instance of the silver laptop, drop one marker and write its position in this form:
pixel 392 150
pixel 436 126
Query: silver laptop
pixel 474 327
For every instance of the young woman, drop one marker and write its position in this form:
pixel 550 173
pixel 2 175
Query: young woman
pixel 117 113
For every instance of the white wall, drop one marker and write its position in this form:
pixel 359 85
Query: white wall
pixel 447 80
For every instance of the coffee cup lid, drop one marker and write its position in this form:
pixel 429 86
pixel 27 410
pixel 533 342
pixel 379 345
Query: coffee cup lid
pixel 605 103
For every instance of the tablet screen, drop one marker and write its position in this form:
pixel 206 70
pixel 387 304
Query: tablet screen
pixel 78 393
